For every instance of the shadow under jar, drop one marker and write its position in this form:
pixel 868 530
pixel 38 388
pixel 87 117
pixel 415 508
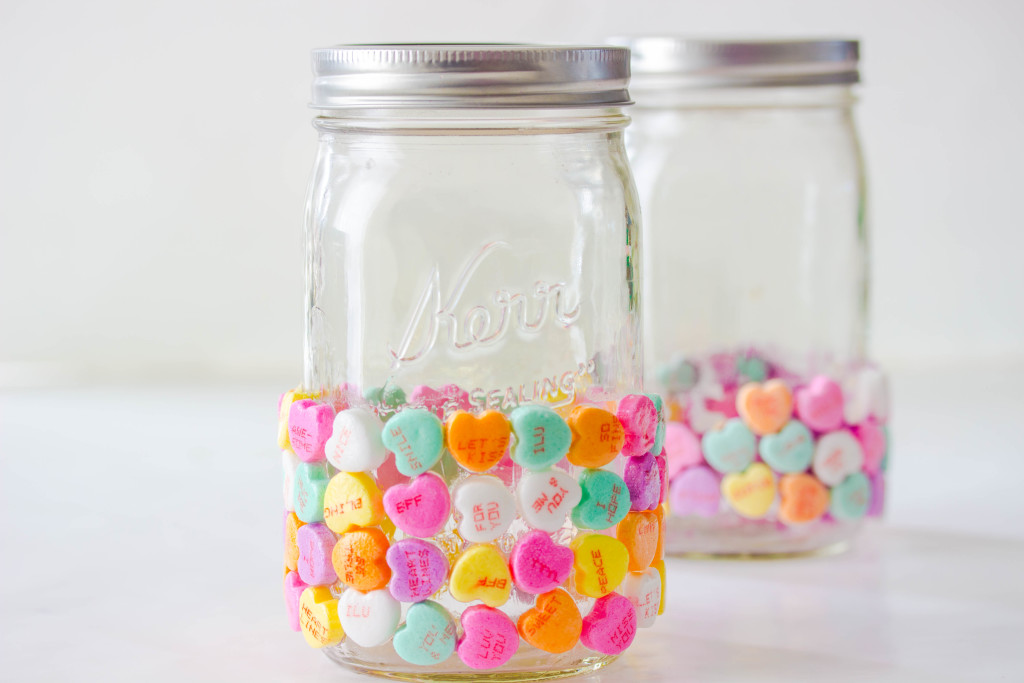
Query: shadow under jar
pixel 756 291
pixel 470 477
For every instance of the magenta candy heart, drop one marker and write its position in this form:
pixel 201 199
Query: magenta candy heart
pixel 697 491
pixel 872 442
pixel 441 402
pixel 309 427
pixel 316 542
pixel 418 569
pixel 421 507
pixel 725 405
pixel 682 448
pixel 293 587
pixel 662 479
pixel 489 638
pixel 877 505
pixel 819 404
pixel 539 564
pixel 610 626
pixel 643 482
pixel 639 418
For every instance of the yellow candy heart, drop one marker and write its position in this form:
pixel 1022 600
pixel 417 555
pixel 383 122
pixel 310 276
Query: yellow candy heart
pixel 660 566
pixel 750 492
pixel 601 563
pixel 287 399
pixel 352 500
pixel 481 573
pixel 318 617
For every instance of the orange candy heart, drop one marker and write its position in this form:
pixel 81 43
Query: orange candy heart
pixel 804 498
pixel 478 443
pixel 766 408
pixel 640 533
pixel 554 625
pixel 597 436
pixel 291 548
pixel 659 552
pixel 359 559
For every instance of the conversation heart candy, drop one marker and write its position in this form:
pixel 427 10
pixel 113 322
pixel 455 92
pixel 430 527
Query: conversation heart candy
pixel 819 404
pixel 697 491
pixel 352 499
pixel 660 566
pixel 791 450
pixel 315 542
pixel 659 550
pixel 765 408
pixel 642 481
pixel 418 569
pixel 682 448
pixel 751 369
pixel 355 444
pixel 486 506
pixel 677 375
pixel 601 563
pixel 605 500
pixel 542 437
pixel 731 447
pixel 803 498
pixel 359 559
pixel 289 465
pixel 639 532
pixel 309 427
pixel 659 432
pixel 477 443
pixel 836 455
pixel 291 547
pixel 643 589
pixel 851 497
pixel 611 625
pixel 421 507
pixel 311 481
pixel 293 587
pixel 876 508
pixel 318 617
pixel 427 636
pixel 416 437
pixel 554 625
pixel 480 573
pixel 662 479
pixel 872 443
pixel 865 394
pixel 441 402
pixel 547 498
pixel 369 619
pixel 726 405
pixel 639 418
pixel 489 638
pixel 752 492
pixel 597 437
pixel 387 398
pixel 284 407
pixel 538 564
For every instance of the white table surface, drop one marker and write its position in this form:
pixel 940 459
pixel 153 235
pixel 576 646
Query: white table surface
pixel 140 535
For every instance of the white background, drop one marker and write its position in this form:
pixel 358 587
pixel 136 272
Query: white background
pixel 154 156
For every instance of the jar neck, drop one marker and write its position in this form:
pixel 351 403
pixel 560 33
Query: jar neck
pixel 473 121
pixel 651 96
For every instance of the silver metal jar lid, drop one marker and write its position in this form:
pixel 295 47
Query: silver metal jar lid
pixel 461 76
pixel 702 63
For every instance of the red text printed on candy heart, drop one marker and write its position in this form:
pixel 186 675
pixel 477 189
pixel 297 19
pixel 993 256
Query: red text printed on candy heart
pixel 613 503
pixel 407 504
pixel 552 504
pixel 403 446
pixel 313 625
pixel 342 507
pixel 598 563
pixel 491 582
pixel 487 519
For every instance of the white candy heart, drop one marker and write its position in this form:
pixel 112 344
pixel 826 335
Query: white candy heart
pixel 486 506
pixel 643 590
pixel 546 498
pixel 837 455
pixel 865 393
pixel 369 619
pixel 289 463
pixel 355 444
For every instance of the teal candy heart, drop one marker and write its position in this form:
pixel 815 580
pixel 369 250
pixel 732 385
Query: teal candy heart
pixel 885 458
pixel 427 636
pixel 753 369
pixel 387 399
pixel 542 437
pixel 605 500
pixel 416 438
pixel 308 491
pixel 678 375
pixel 851 497
pixel 731 448
pixel 659 435
pixel 791 450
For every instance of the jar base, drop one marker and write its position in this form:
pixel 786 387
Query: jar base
pixel 753 541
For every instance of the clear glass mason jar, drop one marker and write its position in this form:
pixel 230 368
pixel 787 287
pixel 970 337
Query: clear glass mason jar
pixel 756 291
pixel 468 483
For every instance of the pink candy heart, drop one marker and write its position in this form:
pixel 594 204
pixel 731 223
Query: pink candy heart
pixel 489 638
pixel 309 427
pixel 872 441
pixel 421 507
pixel 447 399
pixel 610 626
pixel 639 418
pixel 316 542
pixel 682 448
pixel 539 564
pixel 697 491
pixel 819 404
pixel 293 587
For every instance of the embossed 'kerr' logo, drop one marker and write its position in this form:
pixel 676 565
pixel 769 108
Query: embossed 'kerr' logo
pixel 484 324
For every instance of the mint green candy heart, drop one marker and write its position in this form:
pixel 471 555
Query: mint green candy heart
pixel 851 497
pixel 791 450
pixel 677 375
pixel 308 491
pixel 416 437
pixel 427 636
pixel 605 500
pixel 659 434
pixel 542 437
pixel 753 369
pixel 885 457
pixel 731 448
pixel 387 398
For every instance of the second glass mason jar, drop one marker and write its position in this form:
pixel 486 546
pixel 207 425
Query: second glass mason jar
pixel 469 477
pixel 756 298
